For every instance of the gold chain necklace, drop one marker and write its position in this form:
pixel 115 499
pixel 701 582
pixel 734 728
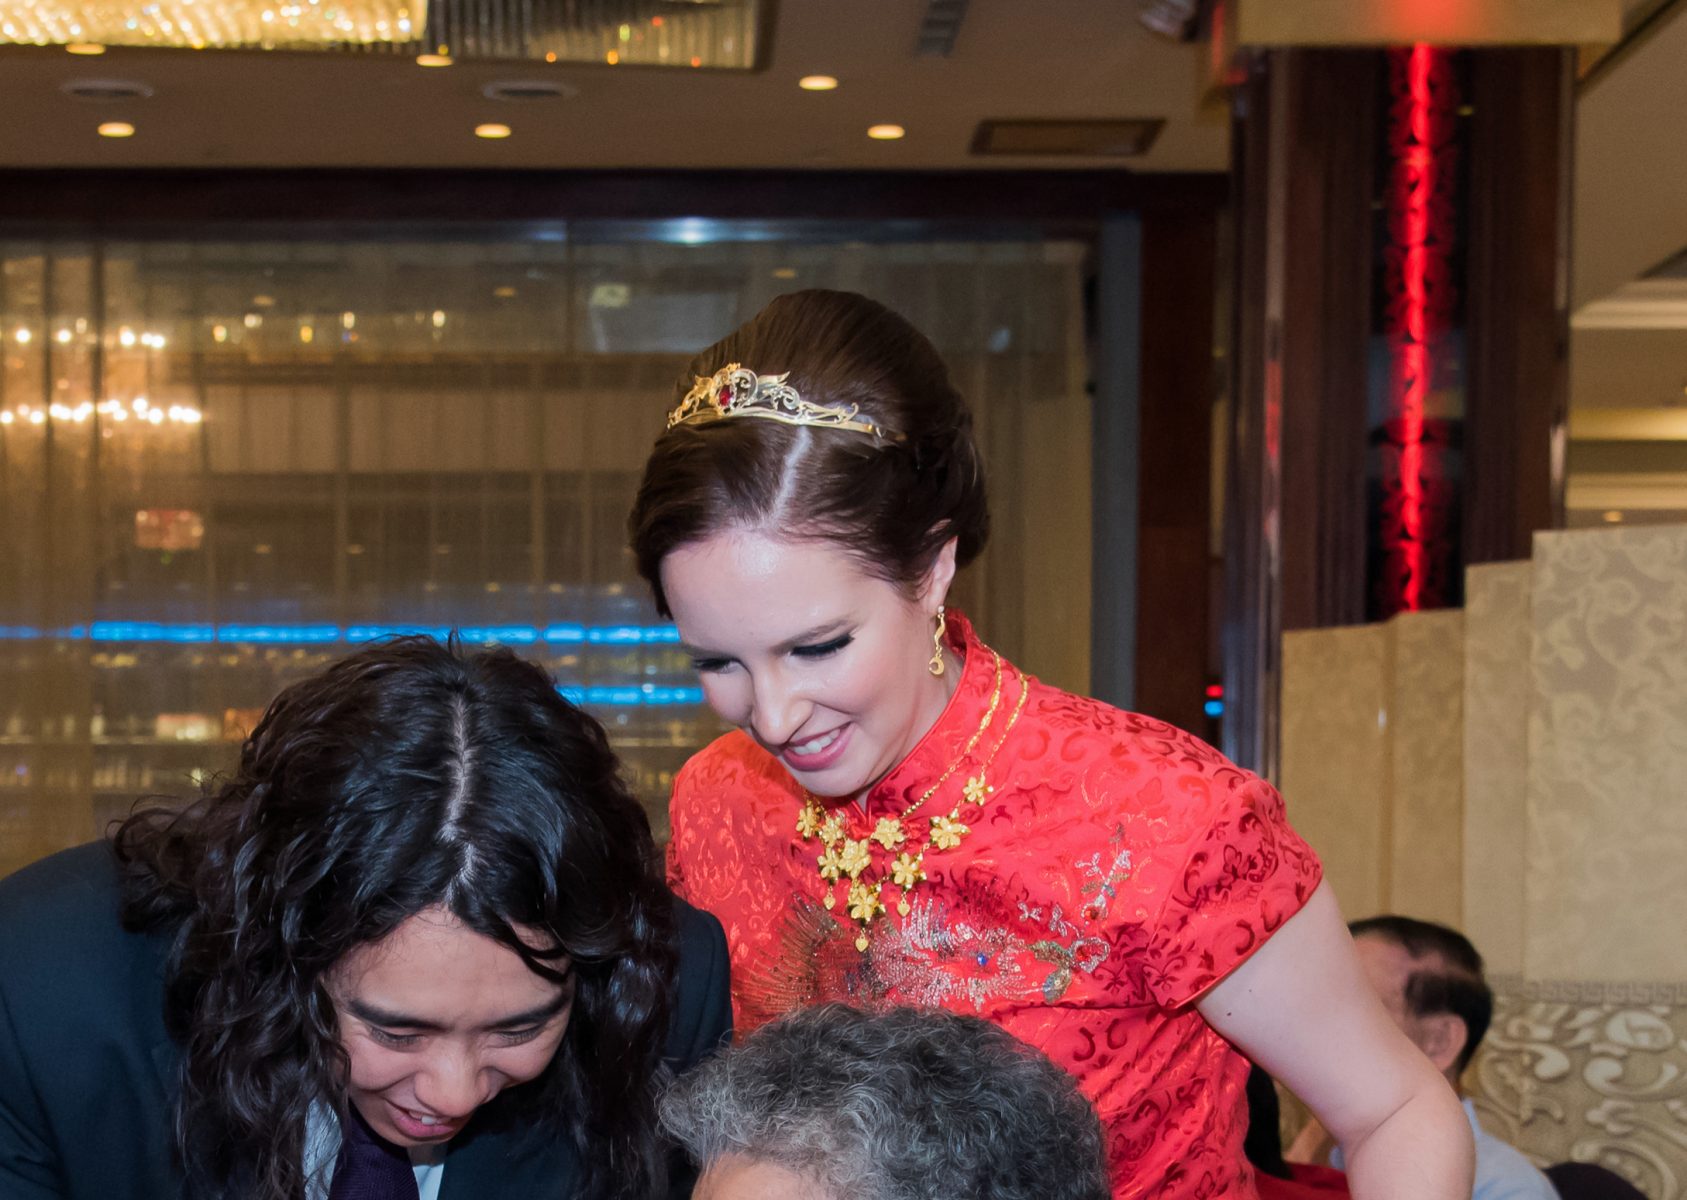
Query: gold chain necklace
pixel 851 857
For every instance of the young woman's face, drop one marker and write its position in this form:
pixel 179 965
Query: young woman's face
pixel 824 664
pixel 438 1019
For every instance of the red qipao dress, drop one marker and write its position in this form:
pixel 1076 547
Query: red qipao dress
pixel 1112 870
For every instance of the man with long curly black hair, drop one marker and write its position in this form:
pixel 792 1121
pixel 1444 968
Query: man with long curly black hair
pixel 418 945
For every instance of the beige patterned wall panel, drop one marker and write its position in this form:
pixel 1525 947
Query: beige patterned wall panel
pixel 1603 1081
pixel 1335 755
pixel 1606 886
pixel 1426 727
pixel 1496 762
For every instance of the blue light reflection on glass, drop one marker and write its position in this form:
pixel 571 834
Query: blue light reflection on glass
pixel 616 696
pixel 194 633
pixel 622 696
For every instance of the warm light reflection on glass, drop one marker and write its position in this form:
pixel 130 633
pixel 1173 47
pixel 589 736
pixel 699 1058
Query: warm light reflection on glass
pixel 140 408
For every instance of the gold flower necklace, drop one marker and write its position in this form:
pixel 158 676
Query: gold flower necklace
pixel 851 857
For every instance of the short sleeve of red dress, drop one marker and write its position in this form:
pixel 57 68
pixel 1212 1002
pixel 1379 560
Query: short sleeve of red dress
pixel 1244 874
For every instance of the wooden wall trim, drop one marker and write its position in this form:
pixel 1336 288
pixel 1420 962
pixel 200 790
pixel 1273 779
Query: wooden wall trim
pixel 1517 304
pixel 148 200
pixel 1331 176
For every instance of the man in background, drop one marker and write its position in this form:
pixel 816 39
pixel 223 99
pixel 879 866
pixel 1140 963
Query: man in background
pixel 1429 978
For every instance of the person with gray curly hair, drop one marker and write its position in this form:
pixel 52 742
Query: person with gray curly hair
pixel 831 1103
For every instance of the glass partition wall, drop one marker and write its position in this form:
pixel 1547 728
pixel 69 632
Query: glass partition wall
pixel 224 463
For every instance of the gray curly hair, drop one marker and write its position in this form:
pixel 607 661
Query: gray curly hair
pixel 897 1105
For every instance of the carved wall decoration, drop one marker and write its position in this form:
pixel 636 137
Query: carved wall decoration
pixel 1563 721
pixel 1591 1081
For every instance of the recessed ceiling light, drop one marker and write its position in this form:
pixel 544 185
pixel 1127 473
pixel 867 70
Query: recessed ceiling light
pixel 886 133
pixel 88 48
pixel 433 60
pixel 492 130
pixel 817 83
pixel 117 129
pixel 1614 517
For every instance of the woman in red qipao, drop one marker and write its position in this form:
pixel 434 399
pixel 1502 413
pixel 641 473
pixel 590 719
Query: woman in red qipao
pixel 905 817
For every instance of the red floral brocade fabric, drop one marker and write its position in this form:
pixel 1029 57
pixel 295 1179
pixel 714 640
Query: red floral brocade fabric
pixel 1119 869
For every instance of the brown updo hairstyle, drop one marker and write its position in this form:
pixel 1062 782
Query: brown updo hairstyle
pixel 891 504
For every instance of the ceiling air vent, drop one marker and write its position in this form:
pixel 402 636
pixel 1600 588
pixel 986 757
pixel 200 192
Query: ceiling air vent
pixel 939 28
pixel 527 89
pixel 1079 138
pixel 101 91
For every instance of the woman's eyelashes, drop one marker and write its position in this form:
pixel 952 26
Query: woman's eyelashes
pixel 824 649
pixel 709 665
pixel 404 1041
pixel 397 1041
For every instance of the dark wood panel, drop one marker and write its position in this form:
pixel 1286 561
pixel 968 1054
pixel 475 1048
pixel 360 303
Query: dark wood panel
pixel 148 201
pixel 1518 382
pixel 1329 175
pixel 1304 153
pixel 1179 269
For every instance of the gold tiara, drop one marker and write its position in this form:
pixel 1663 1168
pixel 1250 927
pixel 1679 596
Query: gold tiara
pixel 735 391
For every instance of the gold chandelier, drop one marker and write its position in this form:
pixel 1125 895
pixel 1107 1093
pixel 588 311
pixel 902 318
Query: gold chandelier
pixel 212 24
pixel 721 34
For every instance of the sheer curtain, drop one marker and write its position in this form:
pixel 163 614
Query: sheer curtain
pixel 223 463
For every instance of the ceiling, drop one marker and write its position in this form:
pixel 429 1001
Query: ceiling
pixel 1627 457
pixel 1077 58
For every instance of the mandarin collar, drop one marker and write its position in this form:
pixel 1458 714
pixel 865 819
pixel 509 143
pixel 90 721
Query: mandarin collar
pixel 942 744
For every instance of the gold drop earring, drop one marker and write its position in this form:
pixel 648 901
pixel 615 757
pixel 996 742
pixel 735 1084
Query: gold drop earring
pixel 937 666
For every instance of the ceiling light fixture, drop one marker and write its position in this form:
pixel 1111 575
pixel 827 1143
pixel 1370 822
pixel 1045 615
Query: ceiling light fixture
pixel 492 131
pixel 234 24
pixel 817 83
pixel 116 129
pixel 886 133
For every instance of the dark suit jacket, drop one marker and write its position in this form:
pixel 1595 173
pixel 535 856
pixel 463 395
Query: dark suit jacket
pixel 87 1072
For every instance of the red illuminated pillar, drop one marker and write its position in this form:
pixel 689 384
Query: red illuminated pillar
pixel 1416 553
